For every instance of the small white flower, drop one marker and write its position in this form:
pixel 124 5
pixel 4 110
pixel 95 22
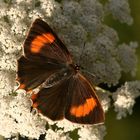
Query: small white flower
pixel 92 132
pixel 121 11
pixel 67 125
pixel 15 112
pixel 124 98
pixel 127 57
pixel 7 82
pixel 72 10
pixel 56 135
pixel 8 62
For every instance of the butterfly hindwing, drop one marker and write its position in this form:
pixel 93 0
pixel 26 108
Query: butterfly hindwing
pixel 51 101
pixel 72 98
pixel 83 105
pixel 42 42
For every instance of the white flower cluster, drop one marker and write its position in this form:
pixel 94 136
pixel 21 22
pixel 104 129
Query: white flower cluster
pixel 124 98
pixel 127 57
pixel 16 117
pixel 120 10
pixel 83 132
pixel 7 82
pixel 77 23
pixel 56 135
pixel 92 133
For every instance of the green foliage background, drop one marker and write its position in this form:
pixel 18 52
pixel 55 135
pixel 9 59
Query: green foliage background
pixel 129 127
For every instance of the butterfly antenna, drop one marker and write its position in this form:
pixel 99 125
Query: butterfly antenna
pixel 34 5
pixel 82 68
pixel 81 54
pixel 88 73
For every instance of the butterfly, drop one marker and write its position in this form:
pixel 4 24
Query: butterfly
pixel 64 92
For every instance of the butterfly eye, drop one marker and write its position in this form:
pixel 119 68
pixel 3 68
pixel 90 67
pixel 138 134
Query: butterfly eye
pixel 65 74
pixel 77 67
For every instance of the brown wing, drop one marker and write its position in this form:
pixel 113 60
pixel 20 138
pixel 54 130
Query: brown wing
pixel 43 43
pixel 51 101
pixel 83 105
pixel 72 98
pixel 32 73
pixel 45 54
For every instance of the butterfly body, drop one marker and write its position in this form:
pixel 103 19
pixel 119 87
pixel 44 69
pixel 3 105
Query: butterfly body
pixel 64 92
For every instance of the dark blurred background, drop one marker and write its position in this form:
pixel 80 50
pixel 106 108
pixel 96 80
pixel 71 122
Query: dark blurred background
pixel 129 127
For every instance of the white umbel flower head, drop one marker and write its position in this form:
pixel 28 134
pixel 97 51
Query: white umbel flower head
pixel 94 45
pixel 124 98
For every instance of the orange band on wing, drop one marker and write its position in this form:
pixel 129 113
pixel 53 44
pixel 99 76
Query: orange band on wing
pixel 35 105
pixel 40 40
pixel 84 109
pixel 33 96
pixel 22 86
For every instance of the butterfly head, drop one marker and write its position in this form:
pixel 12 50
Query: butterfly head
pixel 75 67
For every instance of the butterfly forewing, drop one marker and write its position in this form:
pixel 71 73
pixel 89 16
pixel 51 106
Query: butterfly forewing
pixel 44 53
pixel 31 74
pixel 43 43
